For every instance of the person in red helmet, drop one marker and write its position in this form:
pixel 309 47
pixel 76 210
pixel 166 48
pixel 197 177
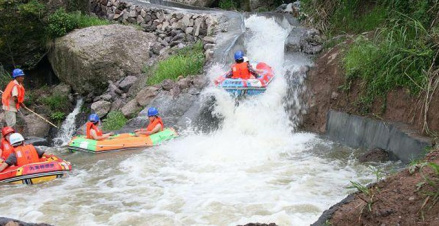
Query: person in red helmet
pixel 23 153
pixel 241 69
pixel 13 97
pixel 6 147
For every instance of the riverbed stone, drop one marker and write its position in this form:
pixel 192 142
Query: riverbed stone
pixel 101 107
pixel 127 82
pixel 146 95
pixel 36 126
pixel 130 108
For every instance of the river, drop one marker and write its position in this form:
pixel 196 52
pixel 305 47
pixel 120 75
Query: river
pixel 256 167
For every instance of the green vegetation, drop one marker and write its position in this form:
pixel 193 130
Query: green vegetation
pixel 228 4
pixel 429 186
pixel 26 26
pixel 187 61
pixel 57 102
pixel 114 121
pixel 396 46
pixel 58 116
pixel 61 22
pixel 5 78
pixel 368 193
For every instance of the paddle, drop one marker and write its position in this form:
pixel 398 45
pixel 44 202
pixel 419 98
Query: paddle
pixel 37 114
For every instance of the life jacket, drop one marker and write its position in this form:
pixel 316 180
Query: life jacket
pixel 7 149
pixel 91 126
pixel 8 93
pixel 241 71
pixel 154 123
pixel 26 154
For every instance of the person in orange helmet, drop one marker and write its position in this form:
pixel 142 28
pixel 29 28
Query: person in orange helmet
pixel 241 69
pixel 23 153
pixel 6 148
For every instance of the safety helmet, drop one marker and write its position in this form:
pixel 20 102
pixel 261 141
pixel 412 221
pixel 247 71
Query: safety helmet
pixel 7 130
pixel 16 139
pixel 17 73
pixel 239 55
pixel 152 111
pixel 93 118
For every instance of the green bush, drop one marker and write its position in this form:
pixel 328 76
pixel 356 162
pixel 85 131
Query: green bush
pixel 397 56
pixel 5 78
pixel 62 22
pixel 58 116
pixel 114 121
pixel 228 4
pixel 187 61
pixel 57 102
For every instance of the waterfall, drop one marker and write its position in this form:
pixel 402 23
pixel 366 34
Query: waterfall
pixel 68 127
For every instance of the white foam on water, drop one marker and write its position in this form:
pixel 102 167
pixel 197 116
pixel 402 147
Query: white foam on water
pixel 252 169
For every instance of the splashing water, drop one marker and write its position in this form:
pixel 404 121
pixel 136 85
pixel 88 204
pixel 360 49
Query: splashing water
pixel 68 127
pixel 252 169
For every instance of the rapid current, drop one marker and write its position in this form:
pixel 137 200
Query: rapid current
pixel 256 167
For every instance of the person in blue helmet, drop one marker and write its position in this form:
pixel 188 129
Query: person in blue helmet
pixel 241 69
pixel 13 97
pixel 155 123
pixel 92 130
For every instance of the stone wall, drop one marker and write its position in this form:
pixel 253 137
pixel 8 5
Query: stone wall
pixel 357 131
pixel 170 27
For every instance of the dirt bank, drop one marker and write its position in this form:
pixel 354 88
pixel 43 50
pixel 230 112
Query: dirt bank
pixel 326 86
pixel 399 199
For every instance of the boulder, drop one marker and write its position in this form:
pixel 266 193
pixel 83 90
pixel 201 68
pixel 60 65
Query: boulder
pixel 311 42
pixel 101 107
pixel 62 88
pixel 87 58
pixel 130 108
pixel 146 95
pixel 127 82
pixel 36 126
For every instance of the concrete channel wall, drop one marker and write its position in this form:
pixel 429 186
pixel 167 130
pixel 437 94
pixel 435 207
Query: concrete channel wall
pixel 360 132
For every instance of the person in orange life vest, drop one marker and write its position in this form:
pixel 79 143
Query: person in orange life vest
pixel 6 148
pixel 92 129
pixel 242 69
pixel 155 123
pixel 13 97
pixel 23 153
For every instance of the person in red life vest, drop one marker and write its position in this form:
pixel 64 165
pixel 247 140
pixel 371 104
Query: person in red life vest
pixel 6 147
pixel 155 123
pixel 241 69
pixel 13 97
pixel 23 153
pixel 93 131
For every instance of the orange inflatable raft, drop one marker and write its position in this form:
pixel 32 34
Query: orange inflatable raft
pixel 49 168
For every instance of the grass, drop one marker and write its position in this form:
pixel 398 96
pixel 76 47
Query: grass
pixel 187 61
pixel 57 102
pixel 396 56
pixel 5 78
pixel 367 192
pixel 115 120
pixel 61 22
pixel 228 4
pixel 399 50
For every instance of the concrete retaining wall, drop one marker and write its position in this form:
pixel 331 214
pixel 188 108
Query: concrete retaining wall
pixel 356 131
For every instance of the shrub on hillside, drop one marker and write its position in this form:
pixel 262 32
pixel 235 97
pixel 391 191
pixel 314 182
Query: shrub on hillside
pixel 187 61
pixel 115 120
